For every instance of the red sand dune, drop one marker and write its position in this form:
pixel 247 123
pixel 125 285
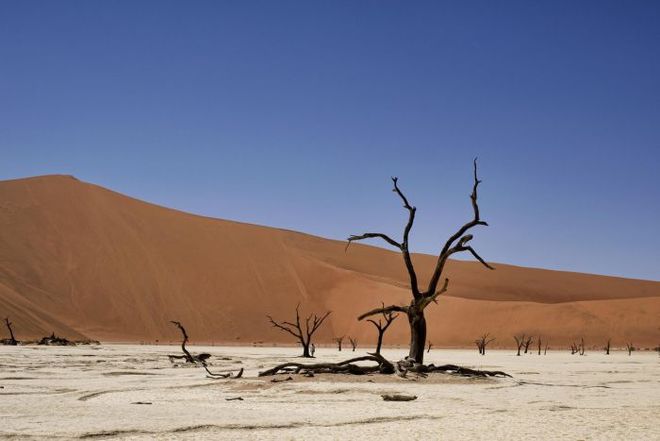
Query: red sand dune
pixel 81 260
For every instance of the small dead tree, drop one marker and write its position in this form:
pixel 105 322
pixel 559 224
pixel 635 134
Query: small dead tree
pixel 482 342
pixel 429 347
pixel 527 343
pixel 520 342
pixel 538 341
pixel 187 356
pixel 545 350
pixel 630 348
pixel 11 340
pixel 607 346
pixel 458 242
pixel 354 343
pixel 574 348
pixel 339 341
pixel 302 332
pixel 382 325
pixel 581 347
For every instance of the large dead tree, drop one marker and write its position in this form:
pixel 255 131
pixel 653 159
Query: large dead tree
pixel 302 332
pixel 482 342
pixel 382 325
pixel 421 298
pixel 11 340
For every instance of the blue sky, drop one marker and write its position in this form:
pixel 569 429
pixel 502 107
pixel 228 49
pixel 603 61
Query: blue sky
pixel 296 114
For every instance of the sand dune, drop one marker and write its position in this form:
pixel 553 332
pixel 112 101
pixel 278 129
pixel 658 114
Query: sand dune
pixel 81 260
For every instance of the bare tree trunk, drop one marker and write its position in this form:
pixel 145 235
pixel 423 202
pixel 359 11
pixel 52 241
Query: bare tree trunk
pixel 12 340
pixel 379 344
pixel 354 343
pixel 417 334
pixel 339 341
pixel 630 348
pixel 607 347
pixel 539 344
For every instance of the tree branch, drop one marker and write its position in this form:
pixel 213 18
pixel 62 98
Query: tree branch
pixel 448 248
pixel 406 233
pixel 384 310
pixel 385 237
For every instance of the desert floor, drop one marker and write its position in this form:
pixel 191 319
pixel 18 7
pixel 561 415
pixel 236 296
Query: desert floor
pixel 133 392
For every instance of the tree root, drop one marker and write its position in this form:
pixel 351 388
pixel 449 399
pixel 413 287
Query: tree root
pixel 383 366
pixel 220 375
pixel 343 367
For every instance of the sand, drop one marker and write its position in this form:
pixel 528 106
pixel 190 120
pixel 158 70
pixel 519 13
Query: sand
pixel 84 261
pixel 90 392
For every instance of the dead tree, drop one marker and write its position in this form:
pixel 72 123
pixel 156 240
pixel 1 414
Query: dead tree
pixel 187 356
pixel 354 343
pixel 574 348
pixel 538 341
pixel 520 342
pixel 581 347
pixel 11 340
pixel 545 350
pixel 382 325
pixel 302 333
pixel 430 345
pixel 482 342
pixel 339 341
pixel 421 298
pixel 607 347
pixel 630 348
pixel 527 343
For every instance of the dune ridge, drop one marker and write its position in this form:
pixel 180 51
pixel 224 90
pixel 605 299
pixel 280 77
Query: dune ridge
pixel 84 261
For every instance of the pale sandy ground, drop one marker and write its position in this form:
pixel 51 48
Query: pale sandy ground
pixel 89 393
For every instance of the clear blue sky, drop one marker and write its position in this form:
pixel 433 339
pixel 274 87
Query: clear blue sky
pixel 296 114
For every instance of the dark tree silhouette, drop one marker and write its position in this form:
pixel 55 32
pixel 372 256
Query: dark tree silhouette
pixel 11 340
pixel 607 347
pixel 382 325
pixel 527 343
pixel 630 348
pixel 482 342
pixel 429 346
pixel 354 343
pixel 538 341
pixel 339 341
pixel 187 356
pixel 302 332
pixel 520 342
pixel 421 298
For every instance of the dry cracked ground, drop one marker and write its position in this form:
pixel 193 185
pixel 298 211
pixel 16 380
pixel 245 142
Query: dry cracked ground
pixel 134 392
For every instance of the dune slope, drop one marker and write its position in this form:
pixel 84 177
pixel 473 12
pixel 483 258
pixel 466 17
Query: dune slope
pixel 81 260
